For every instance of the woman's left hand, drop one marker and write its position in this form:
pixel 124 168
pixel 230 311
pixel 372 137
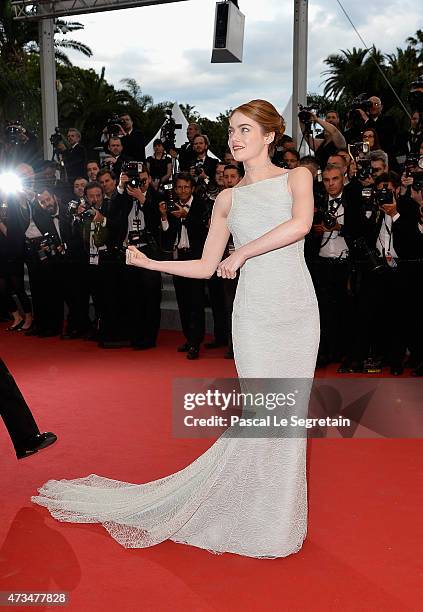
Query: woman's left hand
pixel 229 266
pixel 134 257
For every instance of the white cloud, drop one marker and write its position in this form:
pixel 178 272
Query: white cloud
pixel 167 48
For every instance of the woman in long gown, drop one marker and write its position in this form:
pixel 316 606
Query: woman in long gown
pixel 244 495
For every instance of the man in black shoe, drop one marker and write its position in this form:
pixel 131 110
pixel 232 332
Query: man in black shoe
pixel 187 226
pixel 17 417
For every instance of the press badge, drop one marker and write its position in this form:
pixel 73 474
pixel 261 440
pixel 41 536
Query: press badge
pixel 390 260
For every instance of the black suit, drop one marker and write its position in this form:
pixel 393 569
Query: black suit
pixel 186 157
pixel 332 277
pixel 142 288
pixel 75 160
pixel 14 411
pixel 134 145
pixel 382 307
pixel 190 291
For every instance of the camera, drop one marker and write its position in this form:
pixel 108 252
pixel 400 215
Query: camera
pixel 88 215
pixel 168 194
pixel 357 149
pixel 14 131
pixel 417 181
pixel 56 138
pixel 364 169
pixel 114 126
pixel 198 168
pixel 362 103
pixel 305 114
pixel 132 170
pixel 384 196
pixel 413 160
pixel 49 247
pixel 324 217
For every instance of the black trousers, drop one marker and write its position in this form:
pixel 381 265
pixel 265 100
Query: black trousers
pixel 47 292
pixel 14 274
pixel 76 295
pixel 215 287
pixel 143 294
pixel 331 278
pixel 14 410
pixel 190 296
pixel 380 328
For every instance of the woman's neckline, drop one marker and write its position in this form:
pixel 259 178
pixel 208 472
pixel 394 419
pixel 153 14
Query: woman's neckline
pixel 270 178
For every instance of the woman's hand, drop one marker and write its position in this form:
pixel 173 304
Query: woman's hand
pixel 229 266
pixel 134 257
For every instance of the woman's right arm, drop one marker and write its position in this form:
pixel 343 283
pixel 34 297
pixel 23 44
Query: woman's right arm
pixel 213 250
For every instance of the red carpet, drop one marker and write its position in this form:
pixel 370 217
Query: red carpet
pixel 112 412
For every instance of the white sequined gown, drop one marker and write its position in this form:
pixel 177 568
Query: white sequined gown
pixel 243 495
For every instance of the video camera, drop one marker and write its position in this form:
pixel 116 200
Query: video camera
pixel 114 126
pixel 56 138
pixel 363 103
pixel 305 116
pixel 167 133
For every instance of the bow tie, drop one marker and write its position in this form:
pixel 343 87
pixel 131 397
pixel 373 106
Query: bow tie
pixel 335 201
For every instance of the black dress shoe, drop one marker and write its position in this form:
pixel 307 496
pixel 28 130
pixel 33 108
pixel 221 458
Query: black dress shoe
pixel 214 344
pixel 193 352
pixel 184 348
pixel 111 344
pixel 33 445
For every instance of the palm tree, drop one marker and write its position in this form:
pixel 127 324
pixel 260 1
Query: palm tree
pixel 353 72
pixel 19 38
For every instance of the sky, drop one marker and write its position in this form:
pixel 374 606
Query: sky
pixel 167 48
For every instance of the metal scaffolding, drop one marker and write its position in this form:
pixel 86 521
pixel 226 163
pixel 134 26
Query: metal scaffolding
pixel 43 9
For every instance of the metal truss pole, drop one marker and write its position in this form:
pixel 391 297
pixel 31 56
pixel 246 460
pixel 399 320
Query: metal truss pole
pixel 299 85
pixel 48 82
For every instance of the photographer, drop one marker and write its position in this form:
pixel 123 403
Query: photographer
pixel 159 165
pixel 391 235
pixel 132 139
pixel 97 234
pixel 136 205
pixel 332 138
pixel 186 152
pixel 116 157
pixel 367 113
pixel 74 156
pixel 204 166
pixel 409 141
pixel 186 228
pixel 336 222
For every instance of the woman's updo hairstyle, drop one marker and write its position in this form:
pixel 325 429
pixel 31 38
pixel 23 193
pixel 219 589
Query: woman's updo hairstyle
pixel 266 115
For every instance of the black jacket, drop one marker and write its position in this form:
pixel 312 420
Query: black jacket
pixel 122 205
pixel 134 145
pixel 197 230
pixel 75 160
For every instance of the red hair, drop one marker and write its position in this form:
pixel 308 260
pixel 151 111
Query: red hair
pixel 266 115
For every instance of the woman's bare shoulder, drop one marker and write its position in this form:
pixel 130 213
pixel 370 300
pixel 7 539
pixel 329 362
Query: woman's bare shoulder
pixel 223 201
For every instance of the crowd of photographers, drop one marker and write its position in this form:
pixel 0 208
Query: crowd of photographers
pixel 71 221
